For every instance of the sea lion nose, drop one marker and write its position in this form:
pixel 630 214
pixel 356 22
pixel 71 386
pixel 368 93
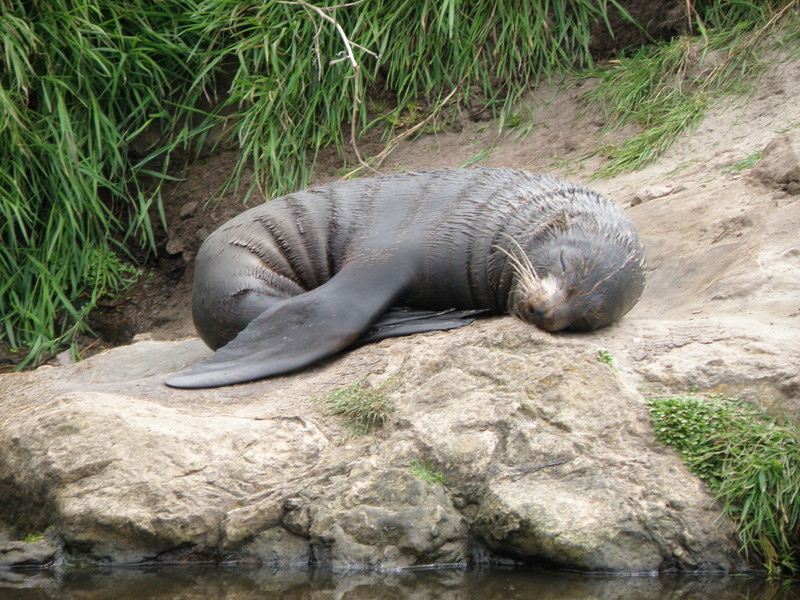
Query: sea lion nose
pixel 551 320
pixel 537 315
pixel 544 319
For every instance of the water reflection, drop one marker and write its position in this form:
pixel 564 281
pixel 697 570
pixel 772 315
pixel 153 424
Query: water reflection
pixel 193 583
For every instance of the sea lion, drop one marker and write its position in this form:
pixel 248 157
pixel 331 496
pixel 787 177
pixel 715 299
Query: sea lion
pixel 306 275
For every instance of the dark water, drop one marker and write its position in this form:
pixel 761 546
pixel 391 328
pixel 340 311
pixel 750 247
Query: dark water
pixel 183 583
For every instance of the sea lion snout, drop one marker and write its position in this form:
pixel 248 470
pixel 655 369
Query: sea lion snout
pixel 556 314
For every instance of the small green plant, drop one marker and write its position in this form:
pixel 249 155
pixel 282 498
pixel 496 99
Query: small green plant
pixel 424 471
pixel 406 115
pixel 362 406
pixel 745 163
pixel 515 120
pixel 107 273
pixel 32 538
pixel 604 356
pixel 751 463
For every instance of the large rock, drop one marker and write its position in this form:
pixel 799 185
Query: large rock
pixel 547 456
pixel 779 165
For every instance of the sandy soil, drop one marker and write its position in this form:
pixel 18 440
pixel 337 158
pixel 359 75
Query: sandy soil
pixel 722 306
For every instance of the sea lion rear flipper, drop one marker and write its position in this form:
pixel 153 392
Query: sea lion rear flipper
pixel 402 320
pixel 299 330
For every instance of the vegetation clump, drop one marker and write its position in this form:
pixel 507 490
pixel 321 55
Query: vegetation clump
pixel 106 271
pixel 362 406
pixel 604 356
pixel 79 83
pixel 424 471
pixel 750 461
pixel 33 538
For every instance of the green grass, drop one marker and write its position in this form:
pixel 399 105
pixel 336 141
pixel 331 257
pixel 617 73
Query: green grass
pixel 107 273
pixel 363 407
pixel 78 82
pixel 33 538
pixel 665 89
pixel 750 461
pixel 417 53
pixel 425 472
pixel 743 164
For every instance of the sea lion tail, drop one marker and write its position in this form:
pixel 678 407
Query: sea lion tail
pixel 300 330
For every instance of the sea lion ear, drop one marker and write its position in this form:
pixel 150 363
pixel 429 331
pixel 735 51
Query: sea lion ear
pixel 557 223
pixel 562 222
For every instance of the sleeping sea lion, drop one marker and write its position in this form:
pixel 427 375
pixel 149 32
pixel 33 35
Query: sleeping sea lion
pixel 304 276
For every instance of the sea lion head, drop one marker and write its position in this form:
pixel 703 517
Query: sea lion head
pixel 577 282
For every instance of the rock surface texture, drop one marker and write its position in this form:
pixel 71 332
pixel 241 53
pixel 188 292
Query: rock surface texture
pixel 546 455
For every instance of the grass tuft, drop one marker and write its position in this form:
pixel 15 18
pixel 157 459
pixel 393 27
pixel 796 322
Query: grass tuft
pixel 752 464
pixel 743 164
pixel 78 83
pixel 363 407
pixel 604 356
pixel 425 472
pixel 33 538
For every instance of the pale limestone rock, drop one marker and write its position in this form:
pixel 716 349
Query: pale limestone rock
pixel 547 455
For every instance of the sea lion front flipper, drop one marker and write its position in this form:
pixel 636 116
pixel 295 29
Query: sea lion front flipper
pixel 402 320
pixel 300 330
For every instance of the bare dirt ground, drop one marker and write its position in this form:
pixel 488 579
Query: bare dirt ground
pixel 722 306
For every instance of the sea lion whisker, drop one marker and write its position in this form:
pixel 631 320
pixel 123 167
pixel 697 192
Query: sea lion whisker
pixel 520 263
pixel 519 259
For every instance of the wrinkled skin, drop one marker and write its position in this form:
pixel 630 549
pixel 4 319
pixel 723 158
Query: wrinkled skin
pixel 303 276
